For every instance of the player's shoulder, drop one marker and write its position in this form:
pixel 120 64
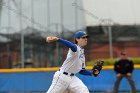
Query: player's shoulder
pixel 118 59
pixel 70 51
pixel 129 58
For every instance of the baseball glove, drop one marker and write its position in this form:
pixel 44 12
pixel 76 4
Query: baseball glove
pixel 97 66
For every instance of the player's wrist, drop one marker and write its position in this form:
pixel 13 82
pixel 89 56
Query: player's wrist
pixel 57 38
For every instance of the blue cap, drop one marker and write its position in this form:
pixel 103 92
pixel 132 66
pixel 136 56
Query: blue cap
pixel 80 34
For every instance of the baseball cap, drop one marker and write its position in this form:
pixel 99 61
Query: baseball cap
pixel 80 34
pixel 123 52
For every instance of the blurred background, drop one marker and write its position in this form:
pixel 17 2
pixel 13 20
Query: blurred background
pixel 24 25
pixel 112 25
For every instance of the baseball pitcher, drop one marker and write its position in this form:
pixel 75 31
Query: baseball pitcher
pixel 74 63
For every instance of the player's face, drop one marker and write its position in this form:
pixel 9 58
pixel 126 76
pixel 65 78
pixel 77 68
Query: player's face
pixel 123 56
pixel 82 41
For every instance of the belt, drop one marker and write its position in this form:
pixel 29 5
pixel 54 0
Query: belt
pixel 66 73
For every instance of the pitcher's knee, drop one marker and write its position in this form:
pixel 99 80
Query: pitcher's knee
pixel 84 90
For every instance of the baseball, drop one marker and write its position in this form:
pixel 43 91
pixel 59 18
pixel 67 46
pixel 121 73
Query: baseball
pixel 49 39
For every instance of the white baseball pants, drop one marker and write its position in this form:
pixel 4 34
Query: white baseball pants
pixel 62 82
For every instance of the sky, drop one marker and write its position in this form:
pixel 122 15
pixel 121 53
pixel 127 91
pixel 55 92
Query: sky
pixel 38 11
pixel 76 15
pixel 119 11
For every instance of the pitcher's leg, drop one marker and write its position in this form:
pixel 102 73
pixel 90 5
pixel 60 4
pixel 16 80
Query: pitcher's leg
pixel 58 84
pixel 77 86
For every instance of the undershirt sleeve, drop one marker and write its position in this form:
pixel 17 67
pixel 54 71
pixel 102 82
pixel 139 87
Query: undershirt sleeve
pixel 69 44
pixel 85 72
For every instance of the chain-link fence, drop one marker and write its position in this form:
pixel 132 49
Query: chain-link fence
pixel 24 25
